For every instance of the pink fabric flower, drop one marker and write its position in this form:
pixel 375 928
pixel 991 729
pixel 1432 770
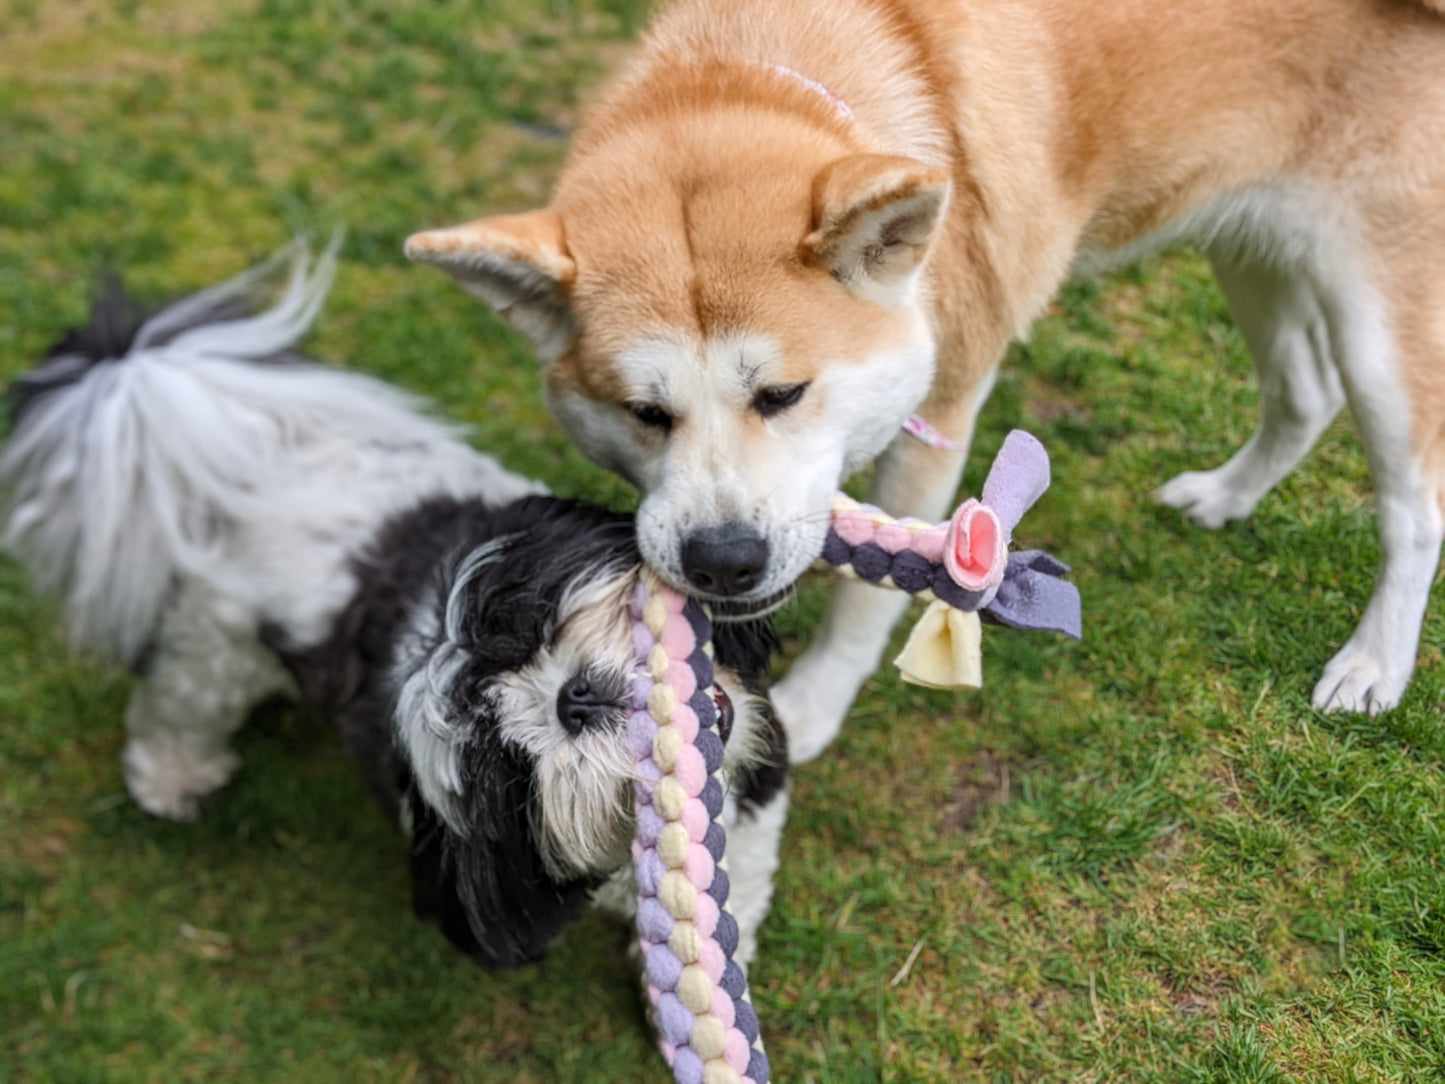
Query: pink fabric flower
pixel 975 551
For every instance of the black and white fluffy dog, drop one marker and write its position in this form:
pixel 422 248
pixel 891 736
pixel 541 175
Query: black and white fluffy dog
pixel 233 521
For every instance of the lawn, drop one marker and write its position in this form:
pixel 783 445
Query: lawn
pixel 1138 858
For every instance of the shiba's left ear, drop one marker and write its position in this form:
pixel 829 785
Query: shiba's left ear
pixel 517 264
pixel 874 219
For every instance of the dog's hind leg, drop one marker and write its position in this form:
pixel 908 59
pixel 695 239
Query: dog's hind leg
pixel 813 698
pixel 1281 319
pixel 205 673
pixel 1391 350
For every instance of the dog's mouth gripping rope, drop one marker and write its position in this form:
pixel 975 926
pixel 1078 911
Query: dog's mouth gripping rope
pixel 707 1029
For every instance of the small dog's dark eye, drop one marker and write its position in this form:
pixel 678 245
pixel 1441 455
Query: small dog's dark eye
pixel 725 713
pixel 770 401
pixel 651 415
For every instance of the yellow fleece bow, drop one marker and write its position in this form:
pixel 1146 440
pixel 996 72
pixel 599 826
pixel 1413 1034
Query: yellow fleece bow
pixel 943 650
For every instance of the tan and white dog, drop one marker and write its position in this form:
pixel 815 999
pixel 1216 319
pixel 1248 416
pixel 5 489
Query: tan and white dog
pixel 794 222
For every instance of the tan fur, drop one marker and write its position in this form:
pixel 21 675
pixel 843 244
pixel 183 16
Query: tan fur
pixel 1063 123
pixel 711 192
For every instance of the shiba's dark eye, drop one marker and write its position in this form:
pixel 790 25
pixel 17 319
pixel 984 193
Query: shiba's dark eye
pixel 651 415
pixel 772 401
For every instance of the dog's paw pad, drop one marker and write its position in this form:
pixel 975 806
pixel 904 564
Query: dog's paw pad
pixel 1356 682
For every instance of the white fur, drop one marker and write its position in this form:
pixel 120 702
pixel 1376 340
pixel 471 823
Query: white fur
pixel 585 802
pixel 752 862
pixel 722 463
pixel 1279 224
pixel 1371 671
pixel 1320 334
pixel 585 797
pixel 583 810
pixel 206 671
pixel 1280 317
pixel 429 661
pixel 814 696
pixel 185 496
pixel 242 493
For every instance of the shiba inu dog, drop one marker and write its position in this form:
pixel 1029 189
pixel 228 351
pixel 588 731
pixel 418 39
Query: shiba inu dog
pixel 790 225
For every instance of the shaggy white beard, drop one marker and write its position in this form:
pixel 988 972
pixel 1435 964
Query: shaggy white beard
pixel 583 810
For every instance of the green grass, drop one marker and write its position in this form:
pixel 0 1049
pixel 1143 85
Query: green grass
pixel 1139 858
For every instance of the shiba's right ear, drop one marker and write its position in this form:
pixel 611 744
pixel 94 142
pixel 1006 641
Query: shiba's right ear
pixel 875 217
pixel 517 264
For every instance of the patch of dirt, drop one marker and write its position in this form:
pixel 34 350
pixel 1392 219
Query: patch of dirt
pixel 983 780
pixel 1198 995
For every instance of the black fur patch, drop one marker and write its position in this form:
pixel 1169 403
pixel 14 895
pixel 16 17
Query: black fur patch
pixel 347 677
pixel 492 896
pixel 486 885
pixel 115 317
pixel 746 648
pixel 760 783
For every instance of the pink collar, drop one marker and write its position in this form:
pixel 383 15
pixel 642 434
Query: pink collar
pixel 919 429
pixel 839 105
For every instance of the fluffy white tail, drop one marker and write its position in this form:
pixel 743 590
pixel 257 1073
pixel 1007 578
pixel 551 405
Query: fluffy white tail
pixel 123 473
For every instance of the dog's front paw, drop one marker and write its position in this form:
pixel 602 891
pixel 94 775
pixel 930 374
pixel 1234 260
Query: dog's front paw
pixel 1207 497
pixel 1355 680
pixel 169 779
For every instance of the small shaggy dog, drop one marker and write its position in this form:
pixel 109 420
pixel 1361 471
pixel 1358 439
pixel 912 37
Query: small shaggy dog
pixel 233 521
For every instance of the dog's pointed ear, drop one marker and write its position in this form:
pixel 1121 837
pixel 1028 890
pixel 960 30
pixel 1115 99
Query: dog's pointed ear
pixel 517 264
pixel 874 220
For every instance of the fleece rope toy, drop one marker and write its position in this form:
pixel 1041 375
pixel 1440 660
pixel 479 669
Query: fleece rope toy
pixel 962 568
pixel 706 1025
pixel 707 1028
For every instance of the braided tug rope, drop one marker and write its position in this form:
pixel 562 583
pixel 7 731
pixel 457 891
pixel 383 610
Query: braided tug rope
pixel 707 1029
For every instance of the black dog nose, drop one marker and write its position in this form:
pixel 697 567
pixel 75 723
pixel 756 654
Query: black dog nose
pixel 582 705
pixel 726 560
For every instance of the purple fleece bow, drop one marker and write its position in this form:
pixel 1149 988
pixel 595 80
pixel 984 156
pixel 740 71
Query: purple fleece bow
pixel 1032 594
pixel 965 562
